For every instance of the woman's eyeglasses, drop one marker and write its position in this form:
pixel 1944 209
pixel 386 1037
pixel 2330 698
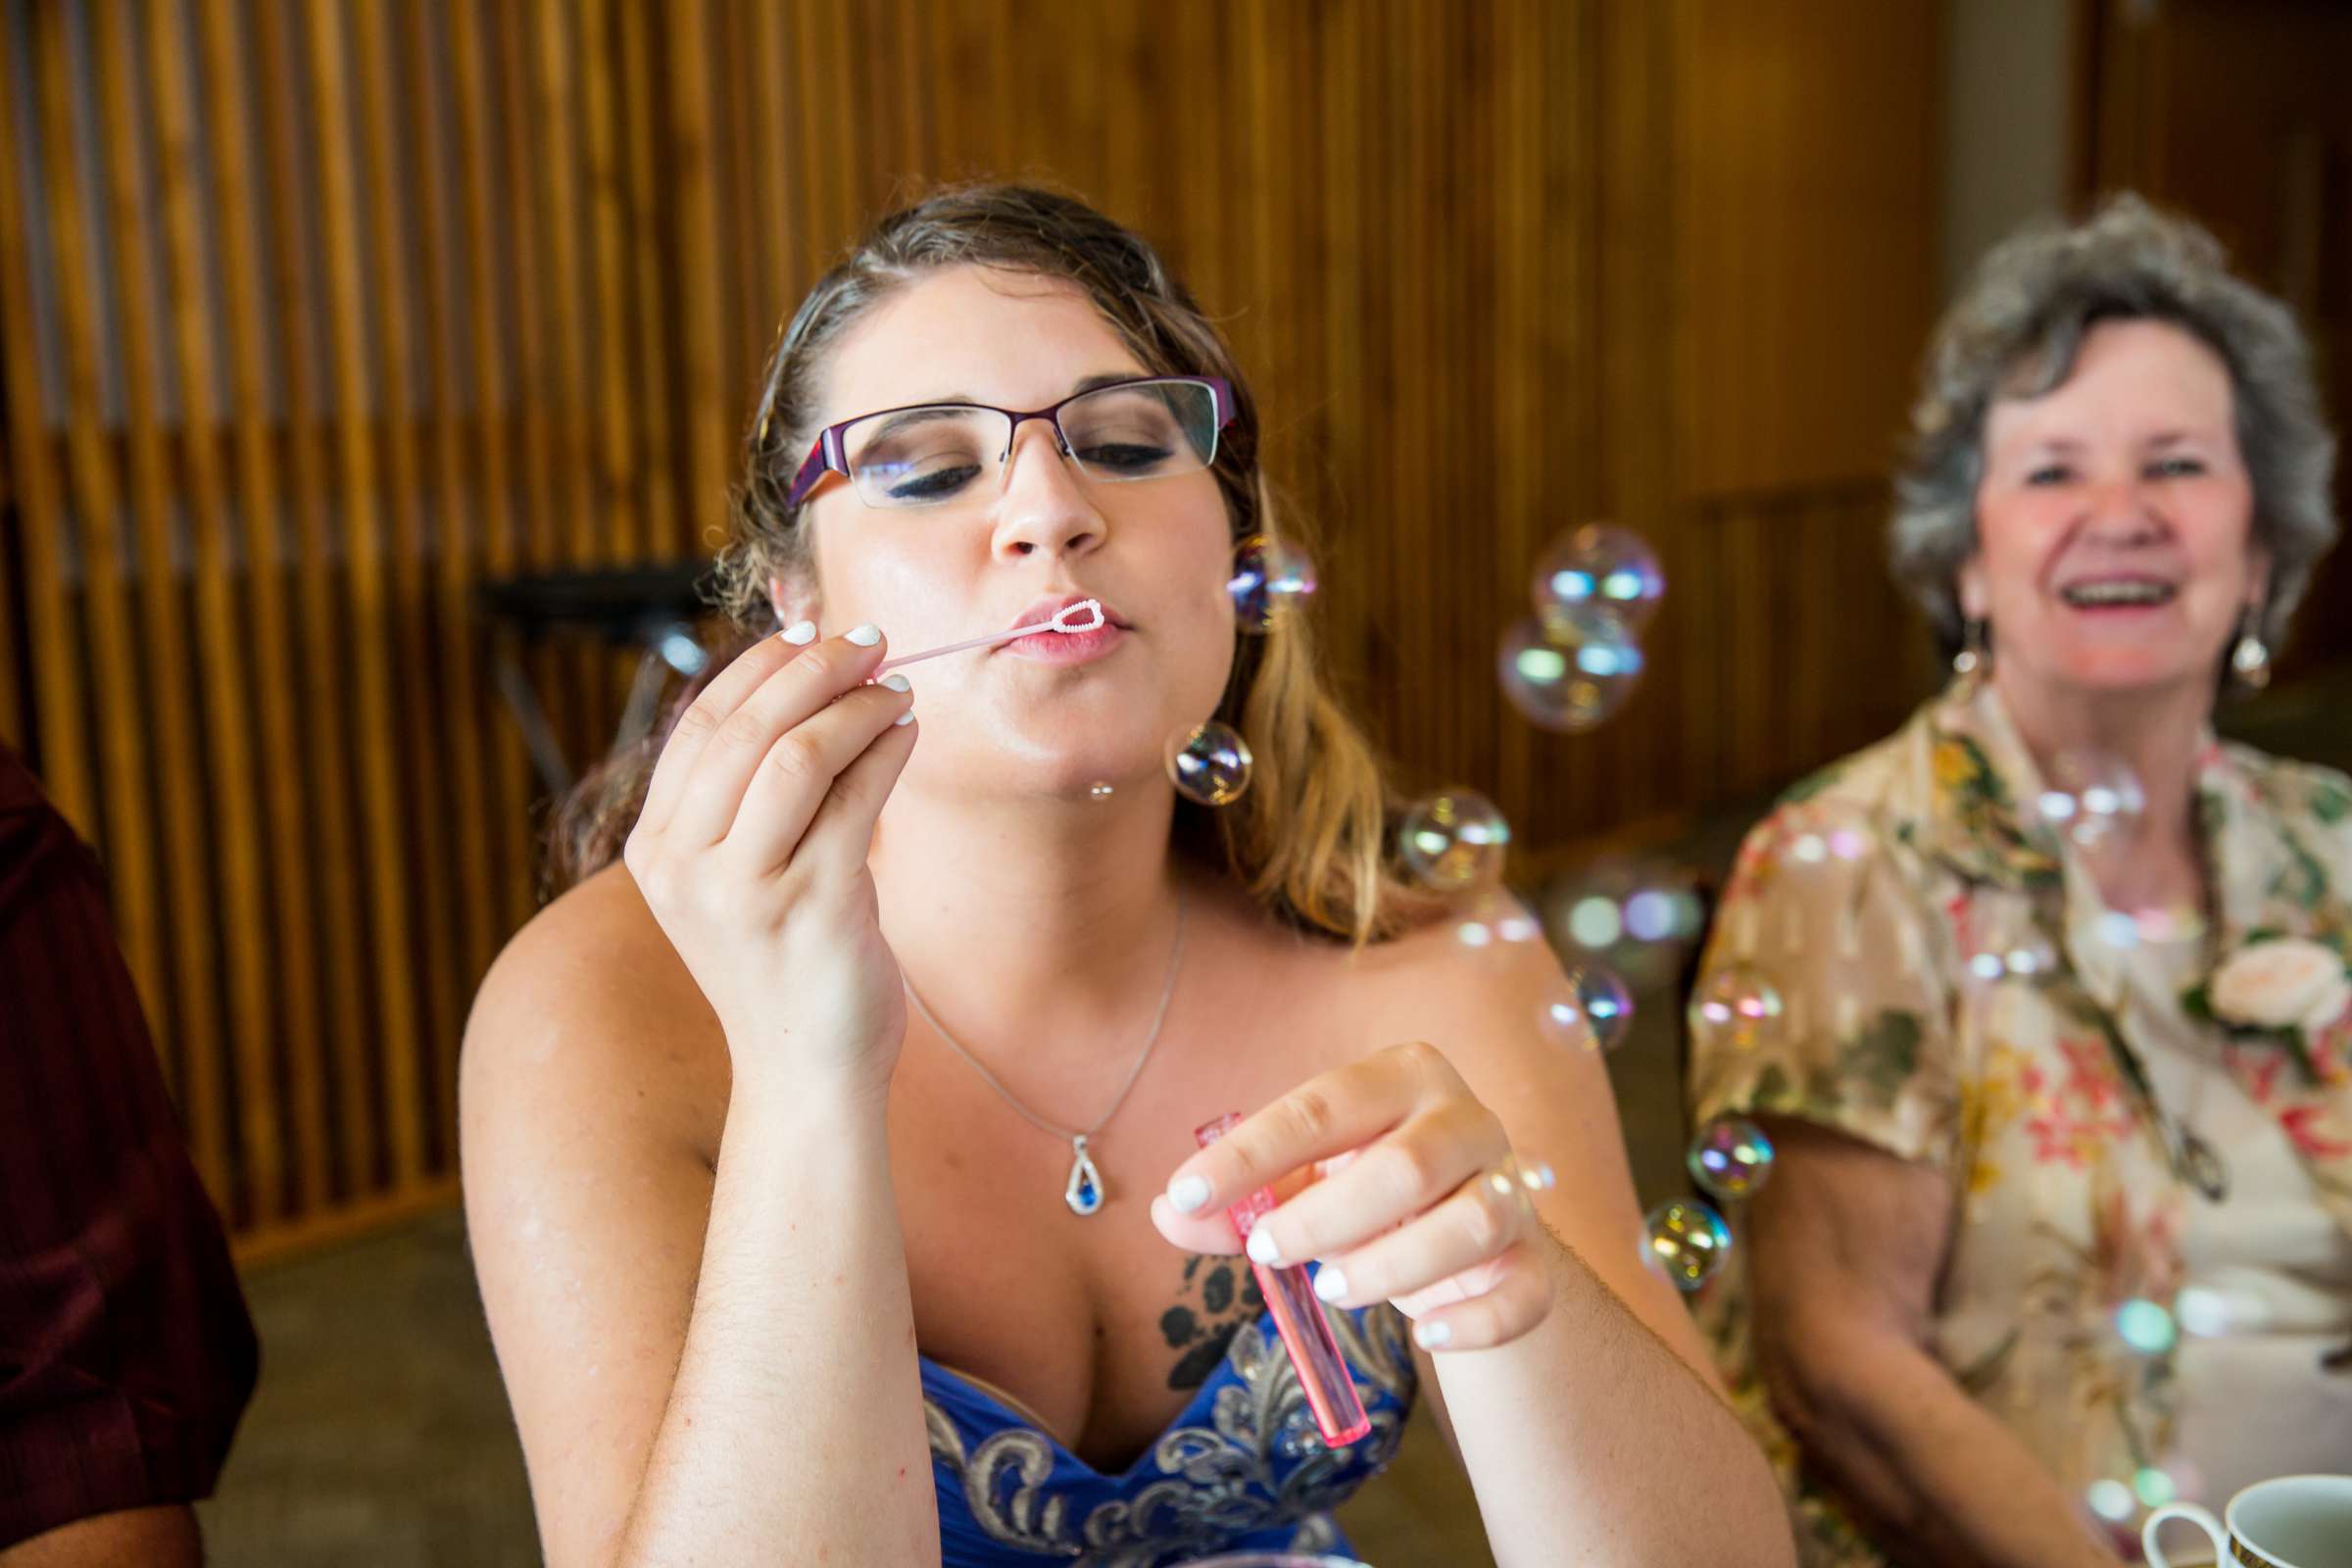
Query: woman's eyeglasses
pixel 931 454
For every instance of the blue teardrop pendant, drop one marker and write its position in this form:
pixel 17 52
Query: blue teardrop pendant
pixel 1084 1194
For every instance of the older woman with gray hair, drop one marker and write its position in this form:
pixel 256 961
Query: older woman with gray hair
pixel 2043 1000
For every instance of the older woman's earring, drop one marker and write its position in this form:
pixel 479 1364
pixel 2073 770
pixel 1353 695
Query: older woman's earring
pixel 2250 658
pixel 1973 656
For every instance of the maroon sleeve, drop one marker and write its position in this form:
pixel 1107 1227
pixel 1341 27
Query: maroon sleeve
pixel 125 1352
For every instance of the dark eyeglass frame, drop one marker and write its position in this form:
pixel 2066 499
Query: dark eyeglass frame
pixel 827 454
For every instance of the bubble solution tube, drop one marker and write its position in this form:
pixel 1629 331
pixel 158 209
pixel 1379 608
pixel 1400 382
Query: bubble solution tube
pixel 1298 1318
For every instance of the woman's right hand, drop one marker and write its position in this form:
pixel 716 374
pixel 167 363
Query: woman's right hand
pixel 751 852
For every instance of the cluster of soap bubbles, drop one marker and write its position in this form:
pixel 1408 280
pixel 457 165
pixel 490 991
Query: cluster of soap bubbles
pixel 2119 1500
pixel 2021 954
pixel 1686 1239
pixel 2143 1327
pixel 1634 916
pixel 1571 665
pixel 1455 842
pixel 1738 1006
pixel 2155 926
pixel 1210 763
pixel 2090 797
pixel 1495 919
pixel 1824 834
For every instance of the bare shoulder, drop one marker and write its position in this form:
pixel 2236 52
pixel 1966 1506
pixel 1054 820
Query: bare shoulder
pixel 591 1096
pixel 590 1006
pixel 1480 1002
pixel 1474 984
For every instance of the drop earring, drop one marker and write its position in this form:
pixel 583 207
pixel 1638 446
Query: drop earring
pixel 1974 654
pixel 2250 655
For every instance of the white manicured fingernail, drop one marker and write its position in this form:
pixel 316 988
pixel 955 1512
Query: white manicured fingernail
pixel 1187 1194
pixel 800 633
pixel 907 717
pixel 1262 1248
pixel 897 683
pixel 864 634
pixel 1428 1335
pixel 1329 1283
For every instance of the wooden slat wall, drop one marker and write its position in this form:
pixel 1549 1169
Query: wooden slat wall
pixel 2233 110
pixel 314 313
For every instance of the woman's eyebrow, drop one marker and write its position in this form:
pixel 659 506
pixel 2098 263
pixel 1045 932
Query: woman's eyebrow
pixel 1101 378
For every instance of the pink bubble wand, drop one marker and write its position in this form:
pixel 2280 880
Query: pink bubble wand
pixel 1065 620
pixel 1298 1317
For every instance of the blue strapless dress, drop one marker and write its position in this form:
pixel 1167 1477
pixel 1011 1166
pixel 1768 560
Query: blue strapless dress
pixel 1241 1468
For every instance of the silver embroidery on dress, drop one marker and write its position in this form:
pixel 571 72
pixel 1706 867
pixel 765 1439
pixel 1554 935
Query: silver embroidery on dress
pixel 1216 1482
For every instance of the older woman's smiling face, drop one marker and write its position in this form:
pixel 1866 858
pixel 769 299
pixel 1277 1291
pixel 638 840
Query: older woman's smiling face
pixel 2115 518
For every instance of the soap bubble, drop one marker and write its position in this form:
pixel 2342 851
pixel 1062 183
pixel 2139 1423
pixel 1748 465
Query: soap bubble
pixel 1454 839
pixel 1738 1006
pixel 2111 1500
pixel 2161 926
pixel 1562 1021
pixel 2090 797
pixel 1686 1243
pixel 1210 763
pixel 1823 833
pixel 2024 953
pixel 2145 1326
pixel 1600 568
pixel 2155 927
pixel 2207 1313
pixel 1607 1007
pixel 1730 1158
pixel 1569 670
pixel 1637 915
pixel 1495 919
pixel 1269 577
pixel 2182 1477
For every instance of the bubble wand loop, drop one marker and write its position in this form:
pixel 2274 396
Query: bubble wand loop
pixel 1064 620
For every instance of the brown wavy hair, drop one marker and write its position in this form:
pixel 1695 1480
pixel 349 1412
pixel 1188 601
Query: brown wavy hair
pixel 1309 838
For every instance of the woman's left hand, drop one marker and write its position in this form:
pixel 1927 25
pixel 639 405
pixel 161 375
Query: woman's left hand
pixel 1410 1196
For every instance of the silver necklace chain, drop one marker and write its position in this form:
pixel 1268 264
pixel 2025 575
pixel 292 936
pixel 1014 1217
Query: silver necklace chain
pixel 1084 1191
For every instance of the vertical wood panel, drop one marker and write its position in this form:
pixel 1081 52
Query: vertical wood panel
pixel 373 596
pixel 700 347
pixel 36 490
pixel 460 501
pixel 225 662
pixel 494 400
pixel 285 816
pixel 93 513
pixel 167 692
pixel 321 651
pixel 420 833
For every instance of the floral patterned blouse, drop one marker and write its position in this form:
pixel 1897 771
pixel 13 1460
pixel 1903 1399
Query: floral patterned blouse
pixel 1955 992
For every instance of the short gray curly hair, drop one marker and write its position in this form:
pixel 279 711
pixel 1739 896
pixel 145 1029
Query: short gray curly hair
pixel 2015 331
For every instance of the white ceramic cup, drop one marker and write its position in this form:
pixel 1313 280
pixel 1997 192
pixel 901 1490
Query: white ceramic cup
pixel 2291 1522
